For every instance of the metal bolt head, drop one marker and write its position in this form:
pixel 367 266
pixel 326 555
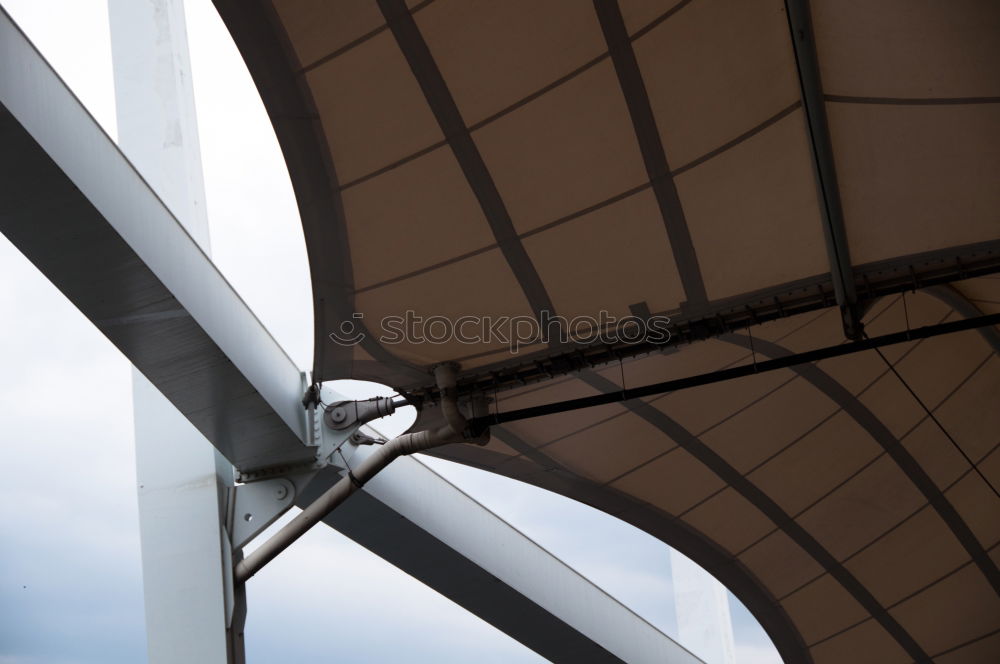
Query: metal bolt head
pixel 281 492
pixel 338 415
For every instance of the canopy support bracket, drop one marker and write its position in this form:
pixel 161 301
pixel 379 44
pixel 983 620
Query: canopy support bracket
pixel 456 430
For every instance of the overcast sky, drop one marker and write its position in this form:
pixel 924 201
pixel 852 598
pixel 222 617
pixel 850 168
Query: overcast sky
pixel 70 578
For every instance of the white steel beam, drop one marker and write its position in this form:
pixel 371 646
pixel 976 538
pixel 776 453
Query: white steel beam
pixel 84 215
pixel 526 591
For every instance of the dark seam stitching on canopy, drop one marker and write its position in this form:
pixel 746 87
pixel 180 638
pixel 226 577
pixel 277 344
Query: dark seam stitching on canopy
pixel 448 116
pixel 968 643
pixel 573 215
pixel 787 636
pixel 895 526
pixel 881 434
pixel 356 42
pixel 760 464
pixel 650 144
pixel 752 493
pixel 895 604
pixel 912 101
pixel 519 103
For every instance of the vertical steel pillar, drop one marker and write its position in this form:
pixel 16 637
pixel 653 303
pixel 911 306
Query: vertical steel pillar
pixel 182 480
pixel 704 624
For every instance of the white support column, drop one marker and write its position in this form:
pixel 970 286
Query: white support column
pixel 154 104
pixel 182 479
pixel 701 603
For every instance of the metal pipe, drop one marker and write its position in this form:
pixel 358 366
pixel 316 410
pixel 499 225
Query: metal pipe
pixel 407 443
pixel 486 421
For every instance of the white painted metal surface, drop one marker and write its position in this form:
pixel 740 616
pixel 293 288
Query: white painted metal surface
pixel 182 480
pixel 180 517
pixel 154 104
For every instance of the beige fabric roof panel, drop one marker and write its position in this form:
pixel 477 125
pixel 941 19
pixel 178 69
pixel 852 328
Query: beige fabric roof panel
pixel 374 210
pixel 643 15
pixel 980 292
pixel 781 417
pixel 372 110
pixel 631 227
pixel 972 409
pixel 565 151
pixel 496 294
pixel 978 652
pixel 843 527
pixel 494 54
pixel 715 71
pixel 973 497
pixel 318 28
pixel 706 408
pixel 932 169
pixel 812 466
pixel 780 563
pixel 767 174
pixel 715 518
pixel 907 49
pixel 749 201
pixel 937 625
pixel 920 545
pixel 675 482
pixel 823 608
pixel 866 643
pixel 944 464
pixel 635 442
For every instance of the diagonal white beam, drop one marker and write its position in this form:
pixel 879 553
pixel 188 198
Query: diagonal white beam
pixel 527 592
pixel 86 218
pixel 81 213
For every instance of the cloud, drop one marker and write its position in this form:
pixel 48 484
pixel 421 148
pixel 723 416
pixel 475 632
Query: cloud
pixel 70 582
pixel 756 654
